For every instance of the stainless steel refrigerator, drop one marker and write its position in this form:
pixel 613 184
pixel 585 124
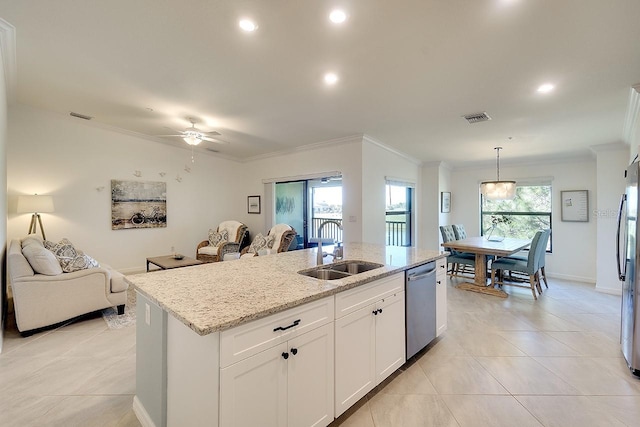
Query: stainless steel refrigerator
pixel 628 255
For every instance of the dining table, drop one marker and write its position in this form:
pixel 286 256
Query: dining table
pixel 482 247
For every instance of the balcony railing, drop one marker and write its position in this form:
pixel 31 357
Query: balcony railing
pixel 398 228
pixel 329 228
pixel 398 231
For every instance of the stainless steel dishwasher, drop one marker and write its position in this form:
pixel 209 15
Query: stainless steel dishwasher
pixel 420 299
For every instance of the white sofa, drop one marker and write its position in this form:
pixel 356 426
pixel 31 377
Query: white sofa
pixel 43 300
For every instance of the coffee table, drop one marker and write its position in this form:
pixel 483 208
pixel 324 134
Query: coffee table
pixel 168 261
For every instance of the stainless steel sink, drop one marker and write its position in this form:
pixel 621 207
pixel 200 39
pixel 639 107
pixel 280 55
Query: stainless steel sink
pixel 324 274
pixel 354 267
pixel 340 270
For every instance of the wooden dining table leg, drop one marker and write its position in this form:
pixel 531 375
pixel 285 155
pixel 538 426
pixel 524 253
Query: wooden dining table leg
pixel 481 270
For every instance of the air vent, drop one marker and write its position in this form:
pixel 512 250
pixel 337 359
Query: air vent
pixel 477 117
pixel 80 116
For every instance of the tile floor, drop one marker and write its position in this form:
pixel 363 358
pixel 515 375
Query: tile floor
pixel 502 362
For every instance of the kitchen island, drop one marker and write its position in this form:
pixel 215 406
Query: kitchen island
pixel 199 328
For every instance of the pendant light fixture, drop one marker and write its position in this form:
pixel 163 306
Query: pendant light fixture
pixel 498 190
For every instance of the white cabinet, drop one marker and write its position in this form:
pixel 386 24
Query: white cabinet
pixel 441 296
pixel 287 382
pixel 370 338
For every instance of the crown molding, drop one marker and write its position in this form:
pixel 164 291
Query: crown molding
pixel 8 54
pixel 633 114
pixel 308 147
pixel 370 140
pixel 613 146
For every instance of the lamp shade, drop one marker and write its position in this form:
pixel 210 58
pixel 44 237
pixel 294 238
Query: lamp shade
pixel 498 190
pixel 35 204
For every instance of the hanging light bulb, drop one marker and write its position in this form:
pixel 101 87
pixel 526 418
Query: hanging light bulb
pixel 498 190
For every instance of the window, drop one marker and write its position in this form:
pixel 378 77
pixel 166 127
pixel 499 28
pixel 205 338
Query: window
pixel 527 213
pixel 398 214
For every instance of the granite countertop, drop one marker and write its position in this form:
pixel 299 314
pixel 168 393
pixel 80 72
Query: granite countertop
pixel 217 296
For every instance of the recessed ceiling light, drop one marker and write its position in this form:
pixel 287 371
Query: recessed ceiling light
pixel 247 25
pixel 331 78
pixel 546 88
pixel 337 16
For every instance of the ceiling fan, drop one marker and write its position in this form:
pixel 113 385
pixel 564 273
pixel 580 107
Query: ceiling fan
pixel 194 136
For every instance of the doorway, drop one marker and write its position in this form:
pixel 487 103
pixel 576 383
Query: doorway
pixel 313 207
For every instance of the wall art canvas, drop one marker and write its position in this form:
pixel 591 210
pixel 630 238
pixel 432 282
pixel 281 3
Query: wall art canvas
pixel 138 204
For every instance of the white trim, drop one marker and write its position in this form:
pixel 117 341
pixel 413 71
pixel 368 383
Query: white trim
pixel 402 182
pixel 305 177
pixel 615 146
pixel 308 147
pixel 141 413
pixel 8 52
pixel 610 291
pixel 572 278
pixel 367 138
pixel 633 113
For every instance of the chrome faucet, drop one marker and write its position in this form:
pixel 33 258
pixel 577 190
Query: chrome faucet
pixel 338 252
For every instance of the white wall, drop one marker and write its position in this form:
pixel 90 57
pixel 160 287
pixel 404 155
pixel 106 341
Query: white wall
pixel 574 243
pixel 611 162
pixel 378 163
pixel 69 159
pixel 3 196
pixel 344 156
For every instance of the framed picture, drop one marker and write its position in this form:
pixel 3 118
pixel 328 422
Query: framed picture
pixel 138 204
pixel 253 204
pixel 575 205
pixel 445 201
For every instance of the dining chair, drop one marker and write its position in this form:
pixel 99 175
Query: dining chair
pixel 542 248
pixel 459 261
pixel 459 231
pixel 530 268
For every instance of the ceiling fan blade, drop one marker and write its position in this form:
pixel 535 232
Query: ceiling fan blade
pixel 217 141
pixel 211 132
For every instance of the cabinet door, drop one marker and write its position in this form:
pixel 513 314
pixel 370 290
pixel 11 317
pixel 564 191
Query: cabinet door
pixel 354 355
pixel 441 303
pixel 253 392
pixel 310 382
pixel 390 336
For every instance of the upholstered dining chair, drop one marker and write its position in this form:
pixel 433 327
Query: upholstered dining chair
pixel 459 231
pixel 229 237
pixel 542 248
pixel 458 261
pixel 530 268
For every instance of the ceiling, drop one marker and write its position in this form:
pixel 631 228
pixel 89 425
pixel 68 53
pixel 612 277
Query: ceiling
pixel 408 70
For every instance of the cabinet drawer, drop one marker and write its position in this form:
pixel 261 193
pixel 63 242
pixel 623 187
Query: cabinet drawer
pixel 361 296
pixel 441 265
pixel 251 338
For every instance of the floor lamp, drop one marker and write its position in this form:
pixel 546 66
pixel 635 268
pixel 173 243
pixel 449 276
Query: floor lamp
pixel 36 205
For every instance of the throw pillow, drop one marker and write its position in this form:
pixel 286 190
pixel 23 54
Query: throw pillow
pixel 69 258
pixel 259 242
pixel 42 260
pixel 32 239
pixel 270 241
pixel 215 238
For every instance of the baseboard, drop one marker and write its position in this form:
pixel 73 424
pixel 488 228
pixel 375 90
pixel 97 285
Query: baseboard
pixel 132 270
pixel 610 291
pixel 141 413
pixel 572 278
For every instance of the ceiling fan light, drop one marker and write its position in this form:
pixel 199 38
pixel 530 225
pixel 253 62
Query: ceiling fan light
pixel 192 139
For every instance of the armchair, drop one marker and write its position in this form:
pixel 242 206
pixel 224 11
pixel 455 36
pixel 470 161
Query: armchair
pixel 237 235
pixel 281 234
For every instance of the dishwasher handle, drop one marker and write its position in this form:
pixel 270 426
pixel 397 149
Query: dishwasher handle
pixel 414 277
